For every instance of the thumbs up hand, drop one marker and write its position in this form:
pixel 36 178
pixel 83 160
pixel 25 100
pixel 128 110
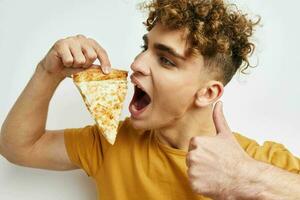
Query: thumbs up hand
pixel 215 163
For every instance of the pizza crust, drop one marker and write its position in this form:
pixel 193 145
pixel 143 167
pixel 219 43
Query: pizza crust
pixel 96 74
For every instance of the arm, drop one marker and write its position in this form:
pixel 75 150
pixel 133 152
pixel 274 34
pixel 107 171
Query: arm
pixel 24 139
pixel 219 168
pixel 267 182
pixel 25 123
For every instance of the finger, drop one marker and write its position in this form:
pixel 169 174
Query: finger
pixel 219 119
pixel 193 143
pixel 78 57
pixel 90 55
pixel 95 66
pixel 80 36
pixel 187 160
pixel 191 158
pixel 66 56
pixel 102 56
pixel 68 72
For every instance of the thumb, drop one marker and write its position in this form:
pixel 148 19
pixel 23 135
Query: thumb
pixel 68 72
pixel 220 121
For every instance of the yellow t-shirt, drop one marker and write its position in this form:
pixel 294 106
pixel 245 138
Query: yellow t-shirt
pixel 139 167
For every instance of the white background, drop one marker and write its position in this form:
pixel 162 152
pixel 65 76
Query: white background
pixel 262 105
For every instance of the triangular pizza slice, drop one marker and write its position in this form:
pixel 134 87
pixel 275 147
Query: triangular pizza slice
pixel 103 96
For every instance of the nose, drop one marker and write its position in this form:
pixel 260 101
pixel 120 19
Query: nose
pixel 141 64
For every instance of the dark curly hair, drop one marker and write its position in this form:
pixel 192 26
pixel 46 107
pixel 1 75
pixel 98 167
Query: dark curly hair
pixel 218 31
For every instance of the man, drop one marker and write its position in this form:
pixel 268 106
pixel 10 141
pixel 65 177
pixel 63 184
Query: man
pixel 175 145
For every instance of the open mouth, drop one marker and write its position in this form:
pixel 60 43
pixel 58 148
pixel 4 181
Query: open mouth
pixel 139 101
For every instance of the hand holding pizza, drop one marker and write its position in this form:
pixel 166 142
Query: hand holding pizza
pixel 74 54
pixel 215 163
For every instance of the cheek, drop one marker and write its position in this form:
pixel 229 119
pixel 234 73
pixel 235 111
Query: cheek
pixel 174 99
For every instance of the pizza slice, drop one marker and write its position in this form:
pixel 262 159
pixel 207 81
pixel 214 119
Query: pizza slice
pixel 103 95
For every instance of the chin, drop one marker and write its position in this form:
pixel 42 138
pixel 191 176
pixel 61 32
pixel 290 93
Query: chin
pixel 139 124
pixel 148 124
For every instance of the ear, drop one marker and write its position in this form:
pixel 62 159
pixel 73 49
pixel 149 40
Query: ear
pixel 209 94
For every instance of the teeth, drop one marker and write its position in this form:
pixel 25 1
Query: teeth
pixel 138 86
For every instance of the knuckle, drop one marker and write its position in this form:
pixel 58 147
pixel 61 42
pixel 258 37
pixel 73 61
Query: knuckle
pixel 71 40
pixel 194 186
pixel 195 140
pixel 197 187
pixel 190 173
pixel 80 61
pixel 80 36
pixel 70 37
pixel 191 157
pixel 68 61
pixel 91 55
pixel 59 43
pixel 92 40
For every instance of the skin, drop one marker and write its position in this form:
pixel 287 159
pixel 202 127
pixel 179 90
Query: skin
pixel 190 123
pixel 219 168
pixel 27 142
pixel 181 90
pixel 217 165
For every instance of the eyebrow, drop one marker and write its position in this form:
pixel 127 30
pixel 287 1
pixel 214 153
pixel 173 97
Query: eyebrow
pixel 164 48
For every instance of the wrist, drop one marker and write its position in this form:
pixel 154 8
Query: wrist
pixel 250 182
pixel 42 72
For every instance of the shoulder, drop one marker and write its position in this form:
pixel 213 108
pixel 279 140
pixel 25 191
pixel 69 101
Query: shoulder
pixel 90 133
pixel 246 143
pixel 252 146
pixel 270 152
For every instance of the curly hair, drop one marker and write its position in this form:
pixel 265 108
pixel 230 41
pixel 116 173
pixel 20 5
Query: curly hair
pixel 218 31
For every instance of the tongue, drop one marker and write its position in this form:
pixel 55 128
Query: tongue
pixel 142 102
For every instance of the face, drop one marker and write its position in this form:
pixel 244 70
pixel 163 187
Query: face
pixel 166 81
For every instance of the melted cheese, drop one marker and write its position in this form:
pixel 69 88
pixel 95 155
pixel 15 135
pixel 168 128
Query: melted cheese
pixel 104 99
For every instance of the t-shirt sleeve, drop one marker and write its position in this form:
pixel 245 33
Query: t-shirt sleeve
pixel 86 148
pixel 270 152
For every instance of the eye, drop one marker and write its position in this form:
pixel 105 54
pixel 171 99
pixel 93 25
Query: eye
pixel 165 61
pixel 144 47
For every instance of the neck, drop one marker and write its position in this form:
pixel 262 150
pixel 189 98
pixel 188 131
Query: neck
pixel 195 122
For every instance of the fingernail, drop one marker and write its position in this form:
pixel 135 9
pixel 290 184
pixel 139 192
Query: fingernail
pixel 104 69
pixel 107 70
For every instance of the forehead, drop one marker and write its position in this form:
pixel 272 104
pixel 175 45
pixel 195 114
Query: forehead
pixel 176 39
